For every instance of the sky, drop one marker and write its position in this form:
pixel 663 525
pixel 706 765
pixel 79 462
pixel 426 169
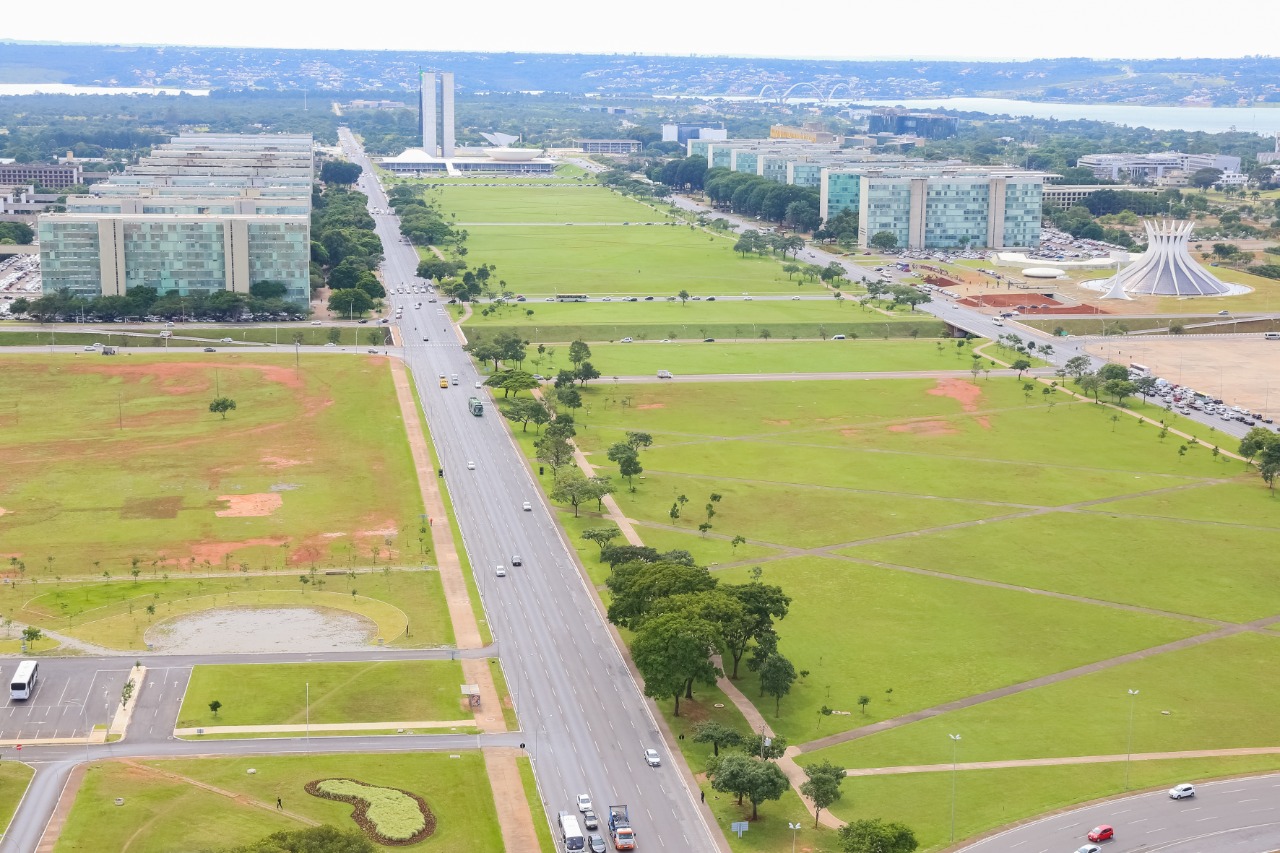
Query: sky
pixel 837 29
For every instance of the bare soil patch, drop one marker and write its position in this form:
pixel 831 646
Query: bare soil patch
pixel 778 423
pixel 967 394
pixel 925 428
pixel 278 462
pixel 245 506
pixel 257 630
pixel 216 552
pixel 652 406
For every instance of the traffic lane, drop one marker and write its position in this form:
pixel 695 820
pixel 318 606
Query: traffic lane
pixel 1152 821
pixel 36 806
pixel 160 698
pixel 71 697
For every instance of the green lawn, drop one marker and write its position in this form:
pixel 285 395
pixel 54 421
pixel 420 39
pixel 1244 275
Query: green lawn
pixel 554 205
pixel 1234 678
pixel 24 338
pixel 638 260
pixel 163 814
pixel 14 778
pixel 1215 571
pixel 131 463
pixel 988 799
pixel 276 694
pixel 114 613
pixel 1245 500
pixel 771 358
pixel 864 630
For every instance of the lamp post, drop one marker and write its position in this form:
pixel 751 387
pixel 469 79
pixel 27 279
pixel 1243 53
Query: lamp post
pixel 955 742
pixel 1133 701
pixel 794 827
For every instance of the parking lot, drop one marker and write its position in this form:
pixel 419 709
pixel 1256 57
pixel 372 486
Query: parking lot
pixel 71 697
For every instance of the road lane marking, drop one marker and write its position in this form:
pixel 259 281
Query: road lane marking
pixel 1157 829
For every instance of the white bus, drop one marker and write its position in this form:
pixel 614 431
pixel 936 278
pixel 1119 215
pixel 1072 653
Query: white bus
pixel 24 680
pixel 1138 369
pixel 571 833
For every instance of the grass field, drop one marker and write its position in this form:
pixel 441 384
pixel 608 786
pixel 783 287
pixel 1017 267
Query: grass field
pixel 366 692
pixel 311 468
pixel 114 614
pixel 554 205
pixel 987 799
pixel 24 338
pixel 14 778
pixel 620 261
pixel 163 811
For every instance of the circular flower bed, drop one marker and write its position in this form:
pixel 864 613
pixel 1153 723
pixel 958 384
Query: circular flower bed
pixel 389 816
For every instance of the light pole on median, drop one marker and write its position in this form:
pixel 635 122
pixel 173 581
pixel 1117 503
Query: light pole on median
pixel 955 742
pixel 794 827
pixel 1133 701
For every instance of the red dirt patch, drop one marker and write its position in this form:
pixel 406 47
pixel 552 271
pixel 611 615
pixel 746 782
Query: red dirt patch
pixel 278 462
pixel 216 552
pixel 966 393
pixel 244 506
pixel 652 406
pixel 984 422
pixel 850 433
pixel 925 428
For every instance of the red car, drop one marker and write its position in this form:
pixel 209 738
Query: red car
pixel 1101 833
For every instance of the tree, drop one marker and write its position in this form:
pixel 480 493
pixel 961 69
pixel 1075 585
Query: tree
pixel 526 410
pixel 1146 386
pixel 31 634
pixel 579 352
pixel 1020 365
pixel 672 650
pixel 749 777
pixel 1090 384
pixel 683 296
pixel 884 241
pixel 763 603
pixel 637 586
pixel 1119 388
pixel 628 461
pixel 353 302
pixel 876 836
pixel 776 677
pixel 553 450
pixel 1077 366
pixel 222 405
pixel 573 488
pixel 716 734
pixel 639 439
pixel 601 536
pixel 586 372
pixel 340 172
pixel 313 839
pixel 823 786
pixel 215 706
pixel 1113 371
pixel 1205 178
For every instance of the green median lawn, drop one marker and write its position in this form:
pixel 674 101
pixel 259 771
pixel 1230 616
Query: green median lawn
pixel 276 694
pixel 554 205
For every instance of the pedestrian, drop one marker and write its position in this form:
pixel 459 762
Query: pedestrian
pixel 704 796
pixel 279 804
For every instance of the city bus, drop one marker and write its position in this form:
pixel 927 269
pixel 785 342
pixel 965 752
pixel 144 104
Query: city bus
pixel 571 833
pixel 1138 369
pixel 24 680
pixel 571 297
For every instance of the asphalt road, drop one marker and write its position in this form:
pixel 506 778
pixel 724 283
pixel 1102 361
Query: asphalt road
pixel 72 696
pixel 1240 815
pixel 585 722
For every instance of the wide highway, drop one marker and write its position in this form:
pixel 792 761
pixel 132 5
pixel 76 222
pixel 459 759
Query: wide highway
pixel 585 722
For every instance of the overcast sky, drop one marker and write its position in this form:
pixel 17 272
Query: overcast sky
pixel 993 29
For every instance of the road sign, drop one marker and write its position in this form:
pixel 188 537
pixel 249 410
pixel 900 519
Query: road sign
pixel 739 826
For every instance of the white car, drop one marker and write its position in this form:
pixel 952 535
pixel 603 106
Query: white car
pixel 331 344
pixel 795 298
pixel 1178 792
pixel 652 758
pixel 1090 848
pixel 626 340
pixel 584 802
pixel 471 466
pixel 88 349
pixel 501 572
pixel 527 507
pixel 227 341
pixel 313 322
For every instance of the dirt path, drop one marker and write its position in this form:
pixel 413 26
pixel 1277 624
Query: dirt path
pixel 515 820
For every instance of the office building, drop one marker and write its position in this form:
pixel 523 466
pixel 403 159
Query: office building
pixel 42 174
pixel 1068 195
pixel 804 134
pixel 927 125
pixel 435 112
pixel 203 212
pixel 610 146
pixel 683 132
pixel 1148 167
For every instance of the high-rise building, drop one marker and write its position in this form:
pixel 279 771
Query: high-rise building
pixel 435 112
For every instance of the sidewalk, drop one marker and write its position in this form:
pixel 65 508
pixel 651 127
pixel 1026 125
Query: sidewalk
pixel 293 728
pixel 1056 762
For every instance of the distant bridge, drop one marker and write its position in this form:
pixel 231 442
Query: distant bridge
pixel 780 96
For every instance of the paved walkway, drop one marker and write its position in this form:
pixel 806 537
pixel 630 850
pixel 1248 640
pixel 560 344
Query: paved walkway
pixel 67 799
pixel 293 728
pixel 1055 762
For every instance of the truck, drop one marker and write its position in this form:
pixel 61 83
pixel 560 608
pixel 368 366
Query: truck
pixel 624 837
pixel 476 405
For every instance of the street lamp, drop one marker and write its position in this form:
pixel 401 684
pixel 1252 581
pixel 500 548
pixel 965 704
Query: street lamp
pixel 794 827
pixel 955 742
pixel 1133 700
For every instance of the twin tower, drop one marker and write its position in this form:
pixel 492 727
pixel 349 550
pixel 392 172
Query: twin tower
pixel 435 112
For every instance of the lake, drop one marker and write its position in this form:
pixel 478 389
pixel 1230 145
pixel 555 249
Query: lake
pixel 67 89
pixel 1208 119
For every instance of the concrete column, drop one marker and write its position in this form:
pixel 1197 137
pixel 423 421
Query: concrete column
pixel 111 264
pixel 916 217
pixel 446 114
pixel 997 191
